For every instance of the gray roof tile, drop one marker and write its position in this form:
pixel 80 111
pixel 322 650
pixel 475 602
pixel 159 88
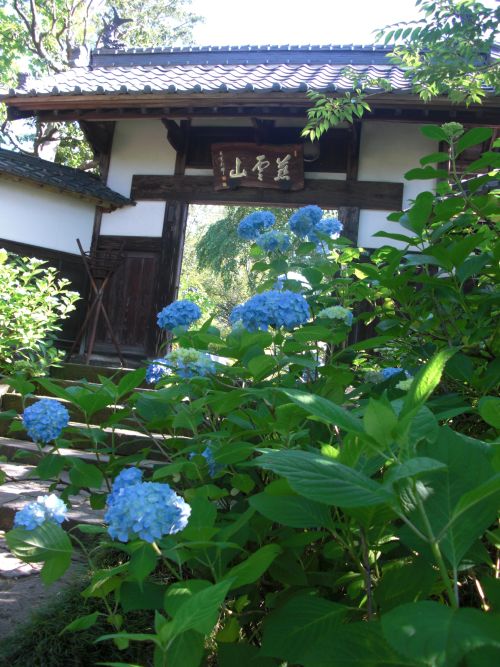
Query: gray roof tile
pixel 67 179
pixel 219 69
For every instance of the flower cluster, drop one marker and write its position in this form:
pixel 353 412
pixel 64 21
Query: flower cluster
pixel 156 370
pixel 390 371
pixel 255 224
pixel 178 314
pixel 186 362
pixel 273 241
pixel 326 226
pixel 308 222
pixel 147 510
pixel 272 309
pixel 46 508
pixel 386 374
pixel 337 313
pixel 303 221
pixel 45 419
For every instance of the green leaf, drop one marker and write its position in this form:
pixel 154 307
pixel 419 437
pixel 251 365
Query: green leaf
pixel 142 562
pixel 301 623
pixel 253 567
pixel 325 480
pixel 85 475
pixel 201 611
pixel 147 595
pixel 434 132
pixel 475 136
pixel 413 468
pixel 130 381
pixel 47 544
pixel 242 655
pixel 178 594
pixel 186 650
pixel 436 635
pixel 482 492
pixel 420 211
pixel 489 409
pixel 262 366
pixel 325 410
pixel 425 174
pixel 434 157
pixel 379 421
pixel 404 582
pixel 291 510
pixel 426 380
pixel 82 623
pixel 442 496
pixel 51 466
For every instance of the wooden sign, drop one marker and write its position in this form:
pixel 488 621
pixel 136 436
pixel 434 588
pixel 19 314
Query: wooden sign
pixel 258 166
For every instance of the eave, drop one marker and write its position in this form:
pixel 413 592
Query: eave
pixel 281 104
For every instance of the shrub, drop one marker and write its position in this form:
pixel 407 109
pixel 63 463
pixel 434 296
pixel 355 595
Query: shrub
pixel 338 514
pixel 33 301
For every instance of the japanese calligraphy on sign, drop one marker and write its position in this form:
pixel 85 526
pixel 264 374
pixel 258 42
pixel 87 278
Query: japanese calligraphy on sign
pixel 258 166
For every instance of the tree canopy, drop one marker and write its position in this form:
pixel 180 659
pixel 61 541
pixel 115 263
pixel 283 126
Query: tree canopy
pixel 40 37
pixel 449 51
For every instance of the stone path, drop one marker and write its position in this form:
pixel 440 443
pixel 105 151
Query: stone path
pixel 21 589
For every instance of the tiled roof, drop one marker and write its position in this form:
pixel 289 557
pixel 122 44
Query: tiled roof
pixel 55 176
pixel 219 69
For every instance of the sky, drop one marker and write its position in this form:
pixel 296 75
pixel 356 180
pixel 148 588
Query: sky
pixel 238 22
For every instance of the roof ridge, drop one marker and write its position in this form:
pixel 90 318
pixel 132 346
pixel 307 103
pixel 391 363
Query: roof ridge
pixel 253 48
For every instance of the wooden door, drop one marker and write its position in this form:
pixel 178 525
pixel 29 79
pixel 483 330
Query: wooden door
pixel 130 301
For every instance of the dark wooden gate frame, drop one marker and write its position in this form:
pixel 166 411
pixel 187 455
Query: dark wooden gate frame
pixel 179 191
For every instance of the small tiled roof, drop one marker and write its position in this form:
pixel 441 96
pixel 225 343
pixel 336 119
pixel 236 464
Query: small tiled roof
pixel 47 174
pixel 218 70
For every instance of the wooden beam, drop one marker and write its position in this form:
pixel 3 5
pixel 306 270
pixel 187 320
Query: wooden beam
pixel 175 134
pixel 326 193
pixel 99 135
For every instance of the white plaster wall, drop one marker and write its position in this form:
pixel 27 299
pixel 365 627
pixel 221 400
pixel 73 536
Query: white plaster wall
pixel 139 147
pixel 388 150
pixel 29 214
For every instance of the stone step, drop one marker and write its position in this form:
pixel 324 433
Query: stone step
pixel 13 401
pixel 26 453
pixel 72 371
pixel 125 442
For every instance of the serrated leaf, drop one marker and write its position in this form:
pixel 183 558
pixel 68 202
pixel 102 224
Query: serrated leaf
pixel 324 480
pixel 325 410
pixel 434 634
pixel 291 510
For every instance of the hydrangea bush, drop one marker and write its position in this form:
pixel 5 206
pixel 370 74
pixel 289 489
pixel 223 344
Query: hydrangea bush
pixel 312 501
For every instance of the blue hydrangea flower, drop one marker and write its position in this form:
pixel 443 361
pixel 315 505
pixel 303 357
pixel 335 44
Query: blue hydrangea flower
pixel 208 455
pixel 187 362
pixel 303 220
pixel 146 510
pixel 46 508
pixel 179 314
pixel 389 372
pixel 156 370
pixel 254 224
pixel 127 477
pixel 273 241
pixel 337 313
pixel 327 226
pixel 274 308
pixel 45 419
